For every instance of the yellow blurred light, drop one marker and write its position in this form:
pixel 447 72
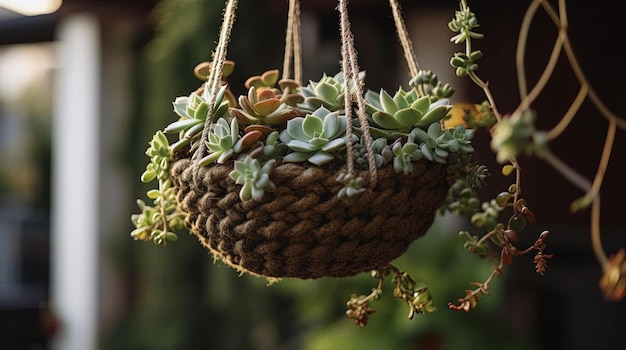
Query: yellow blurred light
pixel 457 112
pixel 31 7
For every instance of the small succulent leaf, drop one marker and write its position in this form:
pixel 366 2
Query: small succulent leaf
pixel 245 193
pixel 312 126
pixel 327 92
pixel 297 157
pixel 266 107
pixel 441 152
pixel 428 152
pixel 162 141
pixel 225 156
pixel 213 139
pixel 250 137
pixel 373 100
pixel 331 124
pixel 295 130
pixel 180 144
pixel 148 176
pixel 409 148
pixel 321 158
pixel 201 111
pixel 209 159
pixel 333 145
pixel 421 104
pixel 226 142
pixel 270 77
pixel 272 137
pixel 386 120
pixel 407 117
pixel 301 146
pixel 257 193
pixel 220 110
pixel 192 131
pixel 387 102
pixel 234 129
pixel 219 98
pixel 180 125
pixel 453 146
pixel 318 142
pixel 434 130
pixel 435 114
pixel 400 99
pixel 252 96
pixel 180 106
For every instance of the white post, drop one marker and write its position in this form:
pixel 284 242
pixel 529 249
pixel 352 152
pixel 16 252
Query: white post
pixel 75 182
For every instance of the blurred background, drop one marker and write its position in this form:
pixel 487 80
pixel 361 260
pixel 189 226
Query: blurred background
pixel 84 84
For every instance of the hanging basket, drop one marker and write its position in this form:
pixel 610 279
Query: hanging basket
pixel 303 229
pixel 339 201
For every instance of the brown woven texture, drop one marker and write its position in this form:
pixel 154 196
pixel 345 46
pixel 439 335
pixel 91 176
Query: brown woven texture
pixel 303 229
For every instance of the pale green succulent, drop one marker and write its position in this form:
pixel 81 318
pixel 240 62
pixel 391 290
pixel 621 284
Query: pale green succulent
pixel 461 140
pixel 513 136
pixel 396 116
pixel 224 141
pixel 434 142
pixel 314 137
pixel 405 154
pixel 254 178
pixel 352 187
pixel 328 92
pixel 193 111
pixel 159 221
pixel 437 142
pixel 427 84
pixel 381 150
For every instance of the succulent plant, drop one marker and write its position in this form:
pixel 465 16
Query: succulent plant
pixel 159 221
pixel 327 92
pixel 267 80
pixel 193 111
pixel 405 154
pixel 380 148
pixel 427 84
pixel 396 116
pixel 314 137
pixel 437 142
pixel 262 107
pixel 352 189
pixel 224 141
pixel 434 142
pixel 202 71
pixel 513 135
pixel 254 177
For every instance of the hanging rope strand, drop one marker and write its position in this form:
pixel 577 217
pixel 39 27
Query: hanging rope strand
pixel 351 74
pixel 297 47
pixel 405 41
pixel 215 74
pixel 292 43
pixel 289 40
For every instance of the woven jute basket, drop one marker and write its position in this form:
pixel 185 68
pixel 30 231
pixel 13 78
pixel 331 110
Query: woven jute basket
pixel 303 229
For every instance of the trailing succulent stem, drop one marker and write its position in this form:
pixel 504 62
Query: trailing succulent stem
pixel 158 222
pixel 417 297
pixel 510 137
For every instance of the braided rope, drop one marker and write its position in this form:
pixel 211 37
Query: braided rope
pixel 215 74
pixel 351 74
pixel 405 41
pixel 293 48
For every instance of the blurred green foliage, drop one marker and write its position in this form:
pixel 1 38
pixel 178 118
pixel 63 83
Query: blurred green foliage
pixel 178 298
